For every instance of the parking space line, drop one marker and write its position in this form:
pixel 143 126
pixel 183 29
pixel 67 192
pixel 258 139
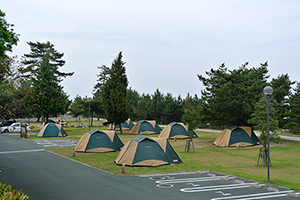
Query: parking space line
pixel 54 143
pixel 254 195
pixel 218 187
pixel 171 174
pixel 189 180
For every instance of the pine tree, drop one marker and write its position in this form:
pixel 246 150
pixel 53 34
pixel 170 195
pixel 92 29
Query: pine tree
pixel 115 98
pixel 46 97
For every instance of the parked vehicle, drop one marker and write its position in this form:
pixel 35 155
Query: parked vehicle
pixel 7 122
pixel 17 127
pixel 6 129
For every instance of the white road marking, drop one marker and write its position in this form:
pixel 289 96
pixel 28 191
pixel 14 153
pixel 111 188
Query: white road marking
pixel 22 151
pixel 252 195
pixel 217 187
pixel 189 180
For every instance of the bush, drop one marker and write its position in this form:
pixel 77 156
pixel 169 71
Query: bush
pixel 7 193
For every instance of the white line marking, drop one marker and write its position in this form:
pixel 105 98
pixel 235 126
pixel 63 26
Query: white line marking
pixel 188 180
pixel 224 194
pixel 217 187
pixel 22 151
pixel 170 174
pixel 252 195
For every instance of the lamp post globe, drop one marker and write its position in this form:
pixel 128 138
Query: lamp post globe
pixel 268 90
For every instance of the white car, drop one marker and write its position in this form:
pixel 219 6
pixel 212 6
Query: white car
pixel 6 129
pixel 16 127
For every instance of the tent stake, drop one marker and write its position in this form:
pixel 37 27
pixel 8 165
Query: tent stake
pixel 123 168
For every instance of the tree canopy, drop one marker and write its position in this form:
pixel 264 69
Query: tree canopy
pixel 8 37
pixel 46 97
pixel 230 95
pixel 115 98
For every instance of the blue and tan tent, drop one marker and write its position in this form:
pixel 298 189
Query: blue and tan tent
pixel 145 127
pixel 176 130
pixel 52 130
pixel 98 141
pixel 147 151
pixel 127 125
pixel 236 136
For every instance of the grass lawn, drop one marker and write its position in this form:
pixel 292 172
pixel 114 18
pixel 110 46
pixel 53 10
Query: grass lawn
pixel 285 158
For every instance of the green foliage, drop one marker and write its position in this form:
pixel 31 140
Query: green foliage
pixel 6 192
pixel 78 107
pixel 115 98
pixel 230 96
pixel 102 78
pixel 133 98
pixel 193 112
pixel 293 121
pixel 8 37
pixel 282 90
pixel 46 97
pixel 143 108
pixel 260 119
pixel 157 105
pixel 173 109
pixel 97 106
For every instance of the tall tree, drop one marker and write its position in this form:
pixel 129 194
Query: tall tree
pixel 46 97
pixel 115 98
pixel 293 116
pixel 133 98
pixel 231 95
pixel 193 117
pixel 77 108
pixel 282 86
pixel 157 106
pixel 102 78
pixel 173 109
pixel 260 122
pixel 8 37
pixel 143 107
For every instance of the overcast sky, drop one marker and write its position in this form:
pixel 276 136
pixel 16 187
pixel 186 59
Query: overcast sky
pixel 165 43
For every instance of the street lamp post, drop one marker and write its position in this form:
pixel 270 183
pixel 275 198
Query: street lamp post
pixel 89 100
pixel 268 90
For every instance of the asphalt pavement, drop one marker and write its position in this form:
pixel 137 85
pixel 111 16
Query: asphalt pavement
pixel 43 175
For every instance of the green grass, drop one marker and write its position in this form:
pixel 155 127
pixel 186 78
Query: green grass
pixel 237 162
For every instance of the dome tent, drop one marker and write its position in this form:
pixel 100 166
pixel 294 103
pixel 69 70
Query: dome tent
pixel 145 127
pixel 98 141
pixel 127 125
pixel 52 130
pixel 147 151
pixel 176 129
pixel 236 136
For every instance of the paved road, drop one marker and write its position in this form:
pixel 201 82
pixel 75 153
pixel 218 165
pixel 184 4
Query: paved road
pixel 44 175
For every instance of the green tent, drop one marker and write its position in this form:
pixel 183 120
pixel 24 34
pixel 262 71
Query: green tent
pixel 145 127
pixel 99 141
pixel 147 151
pixel 237 136
pixel 127 125
pixel 52 130
pixel 176 130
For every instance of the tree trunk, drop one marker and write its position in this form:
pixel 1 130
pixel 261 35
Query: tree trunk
pixel 263 154
pixel 120 128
